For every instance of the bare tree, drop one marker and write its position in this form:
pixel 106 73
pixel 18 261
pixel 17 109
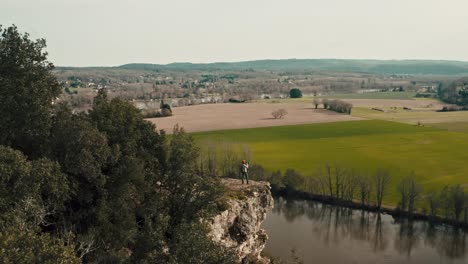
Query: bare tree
pixel 230 159
pixel 246 152
pixel 279 114
pixel 382 179
pixel 211 160
pixel 457 199
pixel 364 188
pixel 316 102
pixel 329 181
pixel 409 191
pixel 312 185
pixel 349 185
pixel 433 200
pixel 339 181
pixel 325 103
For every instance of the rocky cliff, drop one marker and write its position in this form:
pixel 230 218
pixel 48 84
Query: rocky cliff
pixel 238 227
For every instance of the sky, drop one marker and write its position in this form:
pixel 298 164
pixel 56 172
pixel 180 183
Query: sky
pixel 115 32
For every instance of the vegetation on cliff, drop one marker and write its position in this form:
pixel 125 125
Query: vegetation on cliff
pixel 97 187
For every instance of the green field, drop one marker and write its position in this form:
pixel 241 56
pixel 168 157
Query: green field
pixel 438 157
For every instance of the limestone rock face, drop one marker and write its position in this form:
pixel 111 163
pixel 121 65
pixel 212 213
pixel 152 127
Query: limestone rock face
pixel 238 227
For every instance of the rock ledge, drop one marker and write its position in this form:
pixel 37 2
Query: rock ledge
pixel 238 227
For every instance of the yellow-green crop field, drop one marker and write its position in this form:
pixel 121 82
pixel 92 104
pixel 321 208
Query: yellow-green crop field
pixel 437 157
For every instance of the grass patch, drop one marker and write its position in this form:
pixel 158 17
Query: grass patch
pixel 437 157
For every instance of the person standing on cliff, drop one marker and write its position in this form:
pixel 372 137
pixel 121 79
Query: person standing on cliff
pixel 244 169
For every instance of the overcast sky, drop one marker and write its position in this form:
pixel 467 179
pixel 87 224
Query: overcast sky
pixel 114 32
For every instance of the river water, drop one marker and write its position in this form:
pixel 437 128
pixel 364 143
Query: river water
pixel 323 233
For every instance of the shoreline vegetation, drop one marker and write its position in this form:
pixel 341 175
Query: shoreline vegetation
pixel 393 211
pixel 348 188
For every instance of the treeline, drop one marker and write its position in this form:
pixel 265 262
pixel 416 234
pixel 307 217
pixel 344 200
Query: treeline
pixel 455 93
pixel 349 187
pixel 336 105
pixel 101 187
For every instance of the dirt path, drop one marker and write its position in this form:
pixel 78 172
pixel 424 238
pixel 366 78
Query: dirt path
pixel 234 116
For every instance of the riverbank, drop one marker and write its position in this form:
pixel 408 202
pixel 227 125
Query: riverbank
pixel 393 211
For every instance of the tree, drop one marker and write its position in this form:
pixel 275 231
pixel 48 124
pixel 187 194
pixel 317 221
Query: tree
pixel 409 191
pixel 191 195
pixel 22 246
pixel 27 91
pixel 295 93
pixel 191 245
pixel 279 114
pixel 325 103
pixel 316 102
pixel 15 178
pixel 340 106
pixel 433 200
pixel 382 179
pixel 292 180
pixel 457 200
pixel 276 180
pixel 364 188
pixel 105 186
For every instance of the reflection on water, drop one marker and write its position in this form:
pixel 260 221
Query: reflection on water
pixel 330 234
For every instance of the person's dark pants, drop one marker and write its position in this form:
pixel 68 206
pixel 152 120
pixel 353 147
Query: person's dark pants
pixel 246 176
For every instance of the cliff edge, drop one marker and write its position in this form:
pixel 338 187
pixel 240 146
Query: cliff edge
pixel 238 227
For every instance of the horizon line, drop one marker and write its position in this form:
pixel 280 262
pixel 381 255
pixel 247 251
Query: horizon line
pixel 241 61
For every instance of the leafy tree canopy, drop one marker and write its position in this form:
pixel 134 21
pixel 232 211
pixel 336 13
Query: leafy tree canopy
pixel 295 93
pixel 27 90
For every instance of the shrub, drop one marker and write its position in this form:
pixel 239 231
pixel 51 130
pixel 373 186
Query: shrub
pixel 232 100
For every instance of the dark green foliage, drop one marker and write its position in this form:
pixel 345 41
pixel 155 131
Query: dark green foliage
pixel 233 100
pixel 106 183
pixel 15 178
pixel 292 180
pixel 191 245
pixel 258 173
pixel 295 93
pixel 192 195
pixel 455 93
pixel 27 89
pixel 23 247
pixel 276 181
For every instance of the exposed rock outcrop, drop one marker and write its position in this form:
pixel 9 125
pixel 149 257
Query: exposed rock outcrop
pixel 238 227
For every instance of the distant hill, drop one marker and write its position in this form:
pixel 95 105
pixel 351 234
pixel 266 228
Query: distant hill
pixel 336 65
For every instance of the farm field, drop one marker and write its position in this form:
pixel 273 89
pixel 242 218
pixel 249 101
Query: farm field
pixel 453 121
pixel 437 157
pixel 209 117
pixel 453 126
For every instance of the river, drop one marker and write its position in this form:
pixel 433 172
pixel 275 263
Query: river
pixel 323 233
